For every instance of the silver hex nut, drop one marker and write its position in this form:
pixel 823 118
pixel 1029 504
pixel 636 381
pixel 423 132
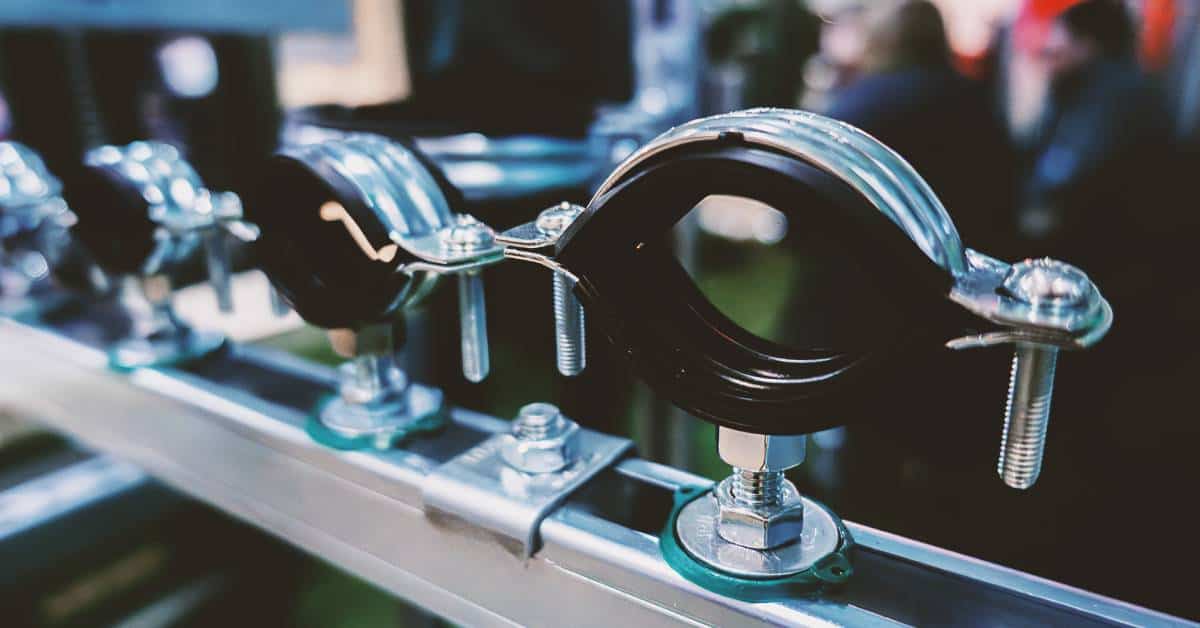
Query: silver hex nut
pixel 542 440
pixel 759 527
pixel 759 452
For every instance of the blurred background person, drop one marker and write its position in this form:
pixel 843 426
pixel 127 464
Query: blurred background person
pixel 1100 142
pixel 753 50
pixel 908 94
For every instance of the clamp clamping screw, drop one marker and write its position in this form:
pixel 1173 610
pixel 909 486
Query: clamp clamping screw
pixel 569 325
pixel 1047 285
pixel 465 235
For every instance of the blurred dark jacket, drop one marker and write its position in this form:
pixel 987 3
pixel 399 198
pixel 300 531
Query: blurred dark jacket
pixel 943 124
pixel 1097 170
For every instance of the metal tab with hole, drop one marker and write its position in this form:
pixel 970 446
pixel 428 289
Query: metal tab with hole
pixel 480 489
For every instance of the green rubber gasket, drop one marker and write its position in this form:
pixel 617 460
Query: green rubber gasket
pixel 322 434
pixel 832 570
pixel 175 360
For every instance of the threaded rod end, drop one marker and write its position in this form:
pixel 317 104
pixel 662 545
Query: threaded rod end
pixel 569 331
pixel 1027 415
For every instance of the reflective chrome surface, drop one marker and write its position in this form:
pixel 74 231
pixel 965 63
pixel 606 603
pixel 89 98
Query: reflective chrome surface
pixel 33 227
pixel 1000 293
pixel 29 193
pixel 867 166
pixel 698 530
pixel 542 440
pixel 760 452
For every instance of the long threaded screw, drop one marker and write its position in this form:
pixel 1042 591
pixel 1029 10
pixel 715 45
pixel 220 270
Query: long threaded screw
pixel 569 328
pixel 537 421
pixel 1027 414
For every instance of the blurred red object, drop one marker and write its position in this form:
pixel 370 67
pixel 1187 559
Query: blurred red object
pixel 1158 33
pixel 1034 20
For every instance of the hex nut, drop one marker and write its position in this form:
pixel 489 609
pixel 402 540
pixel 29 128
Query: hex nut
pixel 759 452
pixel 544 455
pixel 759 527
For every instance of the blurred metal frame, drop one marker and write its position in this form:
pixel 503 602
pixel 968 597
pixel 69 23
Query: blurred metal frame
pixel 210 15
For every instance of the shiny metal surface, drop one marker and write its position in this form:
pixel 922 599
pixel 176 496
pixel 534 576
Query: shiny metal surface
pixel 1027 415
pixel 760 452
pixel 392 182
pixel 29 193
pixel 33 228
pixel 698 529
pixel 1046 305
pixel 891 185
pixel 570 330
pixel 186 212
pixel 862 162
pixel 466 236
pixel 542 440
pixel 388 178
pixel 211 435
pixel 993 290
pixel 758 508
pixel 759 511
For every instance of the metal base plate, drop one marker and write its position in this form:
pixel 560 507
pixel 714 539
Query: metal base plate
pixel 696 528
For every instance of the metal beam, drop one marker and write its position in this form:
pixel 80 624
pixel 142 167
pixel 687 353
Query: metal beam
pixel 231 432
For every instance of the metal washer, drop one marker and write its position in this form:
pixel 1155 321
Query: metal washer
pixel 696 528
pixel 348 421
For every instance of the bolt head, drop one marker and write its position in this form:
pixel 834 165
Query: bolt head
pixel 759 452
pixel 759 527
pixel 1047 282
pixel 467 234
pixel 558 218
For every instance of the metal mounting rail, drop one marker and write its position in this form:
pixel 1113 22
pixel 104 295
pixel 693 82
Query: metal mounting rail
pixel 231 431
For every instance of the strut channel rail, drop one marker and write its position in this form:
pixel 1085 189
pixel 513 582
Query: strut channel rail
pixel 231 432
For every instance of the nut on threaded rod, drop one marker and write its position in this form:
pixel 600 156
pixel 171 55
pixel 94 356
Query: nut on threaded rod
pixel 757 507
pixel 1027 415
pixel 757 488
pixel 542 440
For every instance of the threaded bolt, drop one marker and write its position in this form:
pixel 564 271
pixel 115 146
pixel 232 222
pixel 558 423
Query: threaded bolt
pixel 569 325
pixel 1027 415
pixel 757 488
pixel 569 329
pixel 537 421
pixel 1050 287
pixel 468 234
